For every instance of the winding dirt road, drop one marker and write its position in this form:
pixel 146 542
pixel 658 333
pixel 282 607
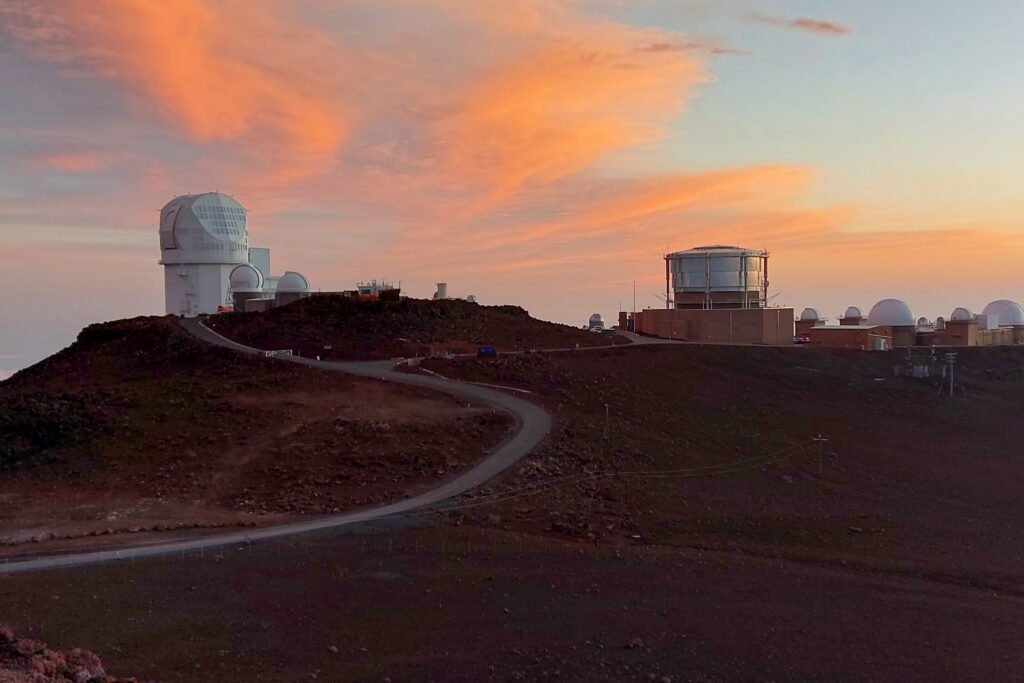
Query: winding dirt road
pixel 533 424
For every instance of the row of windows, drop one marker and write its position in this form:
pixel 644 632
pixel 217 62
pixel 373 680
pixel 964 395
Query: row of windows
pixel 220 210
pixel 223 224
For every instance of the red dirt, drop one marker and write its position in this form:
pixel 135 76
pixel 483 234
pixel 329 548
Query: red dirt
pixel 472 604
pixel 339 328
pixel 137 427
pixel 899 562
pixel 912 480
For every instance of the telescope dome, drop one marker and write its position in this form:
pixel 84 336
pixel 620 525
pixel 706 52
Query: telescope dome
pixel 892 312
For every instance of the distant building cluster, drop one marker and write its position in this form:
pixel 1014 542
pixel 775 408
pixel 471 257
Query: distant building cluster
pixel 891 323
pixel 209 266
pixel 719 294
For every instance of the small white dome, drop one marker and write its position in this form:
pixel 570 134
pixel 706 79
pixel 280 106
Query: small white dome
pixel 292 282
pixel 961 314
pixel 923 322
pixel 853 312
pixel 1010 313
pixel 892 312
pixel 810 314
pixel 246 278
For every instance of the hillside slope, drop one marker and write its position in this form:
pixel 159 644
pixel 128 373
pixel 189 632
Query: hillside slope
pixel 909 477
pixel 337 327
pixel 137 425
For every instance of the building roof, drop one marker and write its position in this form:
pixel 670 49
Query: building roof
pixel 292 282
pixel 892 312
pixel 717 249
pixel 1009 312
pixel 847 327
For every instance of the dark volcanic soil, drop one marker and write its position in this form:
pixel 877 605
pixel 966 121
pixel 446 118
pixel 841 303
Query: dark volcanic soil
pixel 471 604
pixel 910 478
pixel 137 426
pixel 337 327
pixel 610 556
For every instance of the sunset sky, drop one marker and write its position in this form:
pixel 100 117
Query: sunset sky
pixel 538 152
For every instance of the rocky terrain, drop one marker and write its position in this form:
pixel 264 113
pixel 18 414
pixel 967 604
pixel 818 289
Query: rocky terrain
pixel 23 660
pixel 137 428
pixel 341 328
pixel 698 514
pixel 714 447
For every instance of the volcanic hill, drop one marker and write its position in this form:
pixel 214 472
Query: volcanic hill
pixel 337 327
pixel 137 426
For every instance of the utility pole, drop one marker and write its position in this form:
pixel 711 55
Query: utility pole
pixel 821 453
pixel 951 361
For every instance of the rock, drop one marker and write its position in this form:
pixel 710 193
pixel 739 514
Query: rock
pixel 636 644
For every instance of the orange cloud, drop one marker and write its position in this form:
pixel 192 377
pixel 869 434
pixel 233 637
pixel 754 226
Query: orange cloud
pixel 220 71
pixel 73 162
pixel 825 28
pixel 561 109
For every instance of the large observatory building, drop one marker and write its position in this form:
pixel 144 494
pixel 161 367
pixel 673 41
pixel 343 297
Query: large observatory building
pixel 717 294
pixel 208 264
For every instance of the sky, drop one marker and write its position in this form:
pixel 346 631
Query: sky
pixel 544 153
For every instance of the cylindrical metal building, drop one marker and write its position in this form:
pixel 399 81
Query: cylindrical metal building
pixel 717 277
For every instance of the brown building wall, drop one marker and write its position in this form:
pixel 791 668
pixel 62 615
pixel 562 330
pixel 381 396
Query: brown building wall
pixel 720 326
pixel 847 337
pixel 904 335
pixel 804 326
pixel 958 333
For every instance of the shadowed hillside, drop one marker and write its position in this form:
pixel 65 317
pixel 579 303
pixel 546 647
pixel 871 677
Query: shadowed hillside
pixel 338 327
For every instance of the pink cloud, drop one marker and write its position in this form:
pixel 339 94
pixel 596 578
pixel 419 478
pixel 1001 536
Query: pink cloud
pixel 825 28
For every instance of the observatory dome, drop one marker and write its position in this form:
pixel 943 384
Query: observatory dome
pixel 1010 313
pixel 292 282
pixel 204 228
pixel 853 312
pixel 961 314
pixel 810 314
pixel 892 312
pixel 245 278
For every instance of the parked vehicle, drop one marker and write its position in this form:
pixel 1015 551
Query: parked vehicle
pixel 802 339
pixel 487 352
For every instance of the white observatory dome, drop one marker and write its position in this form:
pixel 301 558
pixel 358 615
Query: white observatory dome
pixel 961 314
pixel 203 228
pixel 1010 313
pixel 245 278
pixel 853 312
pixel 292 282
pixel 810 314
pixel 892 312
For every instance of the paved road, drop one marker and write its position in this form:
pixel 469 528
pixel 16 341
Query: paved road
pixel 533 426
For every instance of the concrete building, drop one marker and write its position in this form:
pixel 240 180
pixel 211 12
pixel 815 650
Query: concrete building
pixel 852 316
pixel 716 294
pixel 849 336
pixel 809 318
pixel 208 264
pixel 895 314
pixel 1000 323
pixel 716 276
pixel 718 326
